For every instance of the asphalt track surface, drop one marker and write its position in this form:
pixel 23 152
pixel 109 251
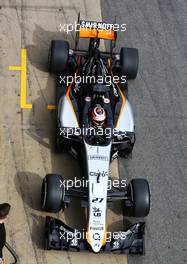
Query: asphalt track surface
pixel 159 99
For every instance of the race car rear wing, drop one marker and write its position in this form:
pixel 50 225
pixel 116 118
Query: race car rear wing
pixel 97 30
pixel 101 30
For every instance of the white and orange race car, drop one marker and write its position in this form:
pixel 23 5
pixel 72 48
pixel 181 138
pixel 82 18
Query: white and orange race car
pixel 95 124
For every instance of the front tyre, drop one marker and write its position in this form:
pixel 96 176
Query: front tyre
pixel 52 194
pixel 140 196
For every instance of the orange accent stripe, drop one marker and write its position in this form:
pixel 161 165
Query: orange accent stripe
pixel 69 88
pixel 109 62
pixel 123 104
pixel 68 91
pixel 69 100
pixel 105 237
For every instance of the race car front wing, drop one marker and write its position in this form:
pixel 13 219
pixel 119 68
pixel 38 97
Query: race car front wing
pixel 59 236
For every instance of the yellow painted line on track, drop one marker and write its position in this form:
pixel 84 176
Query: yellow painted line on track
pixel 51 107
pixel 23 88
pixel 15 68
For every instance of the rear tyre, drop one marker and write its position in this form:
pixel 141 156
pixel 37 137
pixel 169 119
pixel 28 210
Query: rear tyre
pixel 52 194
pixel 58 56
pixel 140 195
pixel 129 60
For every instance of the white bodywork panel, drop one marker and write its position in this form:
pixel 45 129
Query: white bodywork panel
pixel 66 115
pixel 98 161
pixel 126 119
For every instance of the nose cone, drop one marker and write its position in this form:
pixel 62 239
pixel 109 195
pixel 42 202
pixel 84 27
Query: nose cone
pixel 96 239
pixel 96 248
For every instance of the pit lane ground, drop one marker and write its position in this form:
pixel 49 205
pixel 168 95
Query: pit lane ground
pixel 159 99
pixel 158 96
pixel 27 135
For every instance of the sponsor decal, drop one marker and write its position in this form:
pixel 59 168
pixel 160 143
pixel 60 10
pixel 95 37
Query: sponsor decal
pixel 96 245
pixel 115 90
pixel 106 100
pixel 97 157
pixel 96 25
pixel 116 244
pixel 96 236
pixel 96 228
pixel 102 25
pixel 94 173
pixel 88 99
pixel 97 223
pixel 96 211
pixel 74 242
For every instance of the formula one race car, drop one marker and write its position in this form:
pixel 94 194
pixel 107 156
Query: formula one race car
pixel 95 124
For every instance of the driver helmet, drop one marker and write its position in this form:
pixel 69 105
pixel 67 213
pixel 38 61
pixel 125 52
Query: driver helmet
pixel 98 115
